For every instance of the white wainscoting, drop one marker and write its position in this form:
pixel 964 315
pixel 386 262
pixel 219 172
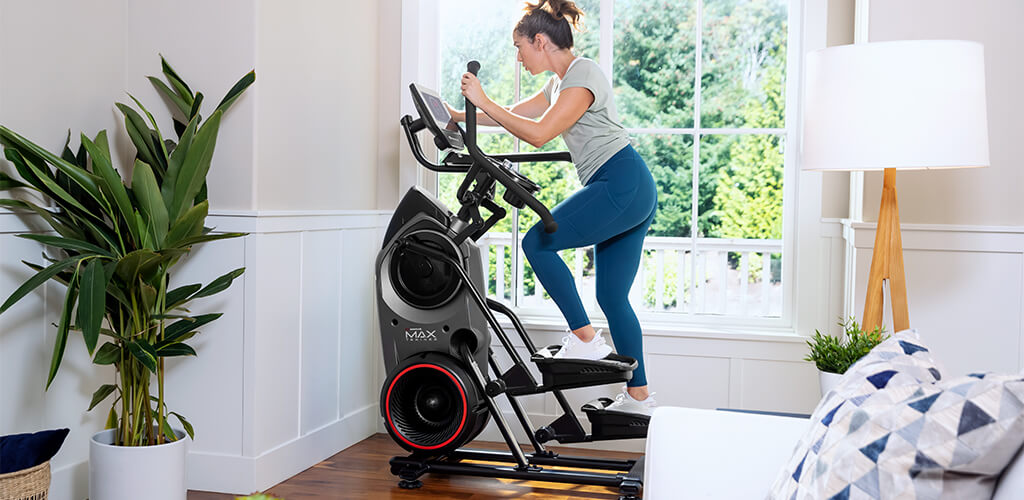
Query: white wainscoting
pixel 965 288
pixel 282 381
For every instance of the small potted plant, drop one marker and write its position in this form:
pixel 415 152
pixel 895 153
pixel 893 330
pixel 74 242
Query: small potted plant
pixel 113 246
pixel 834 355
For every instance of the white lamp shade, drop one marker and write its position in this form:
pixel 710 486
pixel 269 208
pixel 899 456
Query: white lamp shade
pixel 907 104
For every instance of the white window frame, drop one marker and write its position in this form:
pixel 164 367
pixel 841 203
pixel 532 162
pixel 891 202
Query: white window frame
pixel 805 261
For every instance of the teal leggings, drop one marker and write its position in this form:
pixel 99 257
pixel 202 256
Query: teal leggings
pixel 613 212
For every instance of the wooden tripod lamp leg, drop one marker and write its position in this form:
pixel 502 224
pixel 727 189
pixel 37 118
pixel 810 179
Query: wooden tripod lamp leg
pixel 887 263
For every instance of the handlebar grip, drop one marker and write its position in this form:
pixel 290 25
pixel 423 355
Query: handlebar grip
pixel 473 67
pixel 550 226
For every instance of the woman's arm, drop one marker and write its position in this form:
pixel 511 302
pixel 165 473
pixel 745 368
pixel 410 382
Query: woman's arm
pixel 569 107
pixel 533 107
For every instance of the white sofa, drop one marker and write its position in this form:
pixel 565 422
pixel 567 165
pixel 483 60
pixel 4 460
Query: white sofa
pixel 695 453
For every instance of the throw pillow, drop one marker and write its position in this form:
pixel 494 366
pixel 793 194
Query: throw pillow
pixel 893 429
pixel 24 451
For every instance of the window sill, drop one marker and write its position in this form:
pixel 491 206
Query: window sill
pixel 543 324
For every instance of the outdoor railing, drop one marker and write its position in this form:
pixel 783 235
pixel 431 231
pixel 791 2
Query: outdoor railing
pixel 741 277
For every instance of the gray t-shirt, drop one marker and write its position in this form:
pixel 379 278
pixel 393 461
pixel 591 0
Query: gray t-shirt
pixel 596 136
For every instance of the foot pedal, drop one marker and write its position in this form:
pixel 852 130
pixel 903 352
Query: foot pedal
pixel 612 424
pixel 611 364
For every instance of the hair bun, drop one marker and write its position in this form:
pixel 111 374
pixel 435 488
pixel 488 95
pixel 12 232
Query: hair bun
pixel 559 9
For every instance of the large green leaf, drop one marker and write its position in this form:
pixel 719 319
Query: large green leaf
pixel 81 177
pixel 158 137
pixel 148 293
pixel 139 134
pixel 151 203
pixel 186 425
pixel 38 279
pixel 176 160
pixel 180 295
pixel 98 230
pixel 67 243
pixel 194 240
pixel 115 289
pixel 51 186
pixel 62 329
pixel 176 81
pixel 237 90
pixel 101 394
pixel 108 354
pixel 99 151
pixel 220 284
pixel 111 418
pixel 193 113
pixel 92 302
pixel 176 330
pixel 194 168
pixel 188 225
pixel 143 352
pixel 175 98
pixel 168 432
pixel 138 263
pixel 62 229
pixel 8 182
pixel 176 349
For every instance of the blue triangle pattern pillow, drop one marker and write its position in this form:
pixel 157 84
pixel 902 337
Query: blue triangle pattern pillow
pixel 912 435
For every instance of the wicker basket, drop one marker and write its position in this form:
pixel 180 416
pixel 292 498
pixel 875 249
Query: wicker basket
pixel 27 484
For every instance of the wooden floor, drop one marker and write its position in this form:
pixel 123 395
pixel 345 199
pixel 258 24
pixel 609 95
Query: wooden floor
pixel 362 472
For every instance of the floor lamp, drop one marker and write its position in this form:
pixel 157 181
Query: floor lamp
pixel 916 104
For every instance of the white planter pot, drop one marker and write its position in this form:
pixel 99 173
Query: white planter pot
pixel 135 472
pixel 828 381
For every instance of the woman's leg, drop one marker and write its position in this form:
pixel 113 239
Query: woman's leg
pixel 593 214
pixel 616 263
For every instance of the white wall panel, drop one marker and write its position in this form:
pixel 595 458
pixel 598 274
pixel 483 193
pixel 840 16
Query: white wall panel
pixel 964 288
pixel 787 386
pixel 690 381
pixel 359 351
pixel 321 293
pixel 24 358
pixel 207 389
pixel 272 310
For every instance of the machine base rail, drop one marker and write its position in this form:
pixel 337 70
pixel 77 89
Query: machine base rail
pixel 629 481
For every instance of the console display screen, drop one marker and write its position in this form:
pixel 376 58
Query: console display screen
pixel 437 109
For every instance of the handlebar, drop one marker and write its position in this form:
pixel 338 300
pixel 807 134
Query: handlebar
pixel 487 164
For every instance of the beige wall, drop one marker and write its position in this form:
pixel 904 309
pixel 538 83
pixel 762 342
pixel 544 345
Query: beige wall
pixel 211 46
pixel 987 196
pixel 317 105
pixel 390 142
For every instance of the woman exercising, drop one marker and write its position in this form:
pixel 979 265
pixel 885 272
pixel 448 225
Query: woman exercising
pixel 618 200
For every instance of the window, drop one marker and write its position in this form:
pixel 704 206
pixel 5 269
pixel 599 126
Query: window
pixel 717 149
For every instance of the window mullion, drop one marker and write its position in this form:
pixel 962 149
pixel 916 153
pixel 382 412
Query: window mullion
pixel 695 166
pixel 513 248
pixel 605 54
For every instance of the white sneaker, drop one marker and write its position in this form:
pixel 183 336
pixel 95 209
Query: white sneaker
pixel 625 403
pixel 574 348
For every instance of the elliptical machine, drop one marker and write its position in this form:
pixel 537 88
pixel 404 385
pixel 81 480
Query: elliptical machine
pixel 436 324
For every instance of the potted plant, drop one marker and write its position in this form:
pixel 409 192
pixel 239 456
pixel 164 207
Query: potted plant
pixel 834 355
pixel 113 247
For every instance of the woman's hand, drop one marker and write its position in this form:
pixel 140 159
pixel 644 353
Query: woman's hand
pixel 459 116
pixel 472 90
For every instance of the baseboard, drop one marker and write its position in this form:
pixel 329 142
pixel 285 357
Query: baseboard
pixel 243 475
